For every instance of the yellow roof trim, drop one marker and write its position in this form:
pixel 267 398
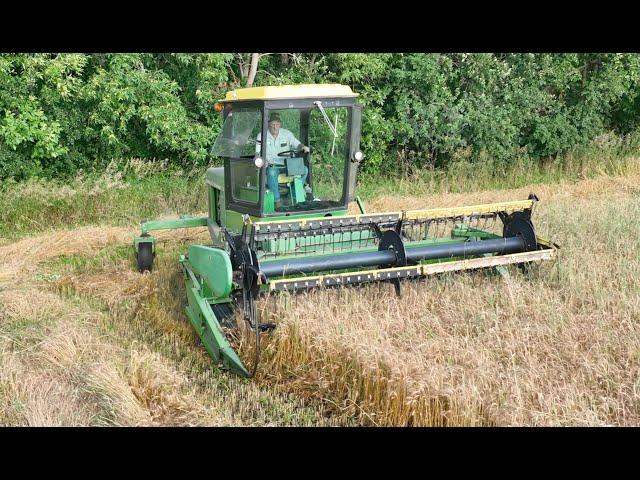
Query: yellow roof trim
pixel 290 91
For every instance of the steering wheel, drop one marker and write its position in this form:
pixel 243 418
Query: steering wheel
pixel 289 153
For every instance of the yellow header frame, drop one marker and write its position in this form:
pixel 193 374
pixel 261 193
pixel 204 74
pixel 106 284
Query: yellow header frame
pixel 506 207
pixel 420 270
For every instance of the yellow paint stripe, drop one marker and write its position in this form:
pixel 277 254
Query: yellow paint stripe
pixel 487 262
pixel 545 242
pixel 456 211
pixel 427 214
pixel 377 273
pixel 431 268
pixel 335 220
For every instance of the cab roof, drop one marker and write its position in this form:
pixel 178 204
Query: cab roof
pixel 330 90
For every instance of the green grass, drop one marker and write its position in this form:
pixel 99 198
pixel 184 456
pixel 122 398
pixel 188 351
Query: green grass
pixel 81 263
pixel 125 196
pixel 40 205
pixel 464 176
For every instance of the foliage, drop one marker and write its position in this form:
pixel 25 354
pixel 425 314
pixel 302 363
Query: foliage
pixel 61 113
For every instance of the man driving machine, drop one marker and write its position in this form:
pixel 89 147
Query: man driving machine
pixel 280 140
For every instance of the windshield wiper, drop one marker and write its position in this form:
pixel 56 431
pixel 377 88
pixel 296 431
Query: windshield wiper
pixel 318 104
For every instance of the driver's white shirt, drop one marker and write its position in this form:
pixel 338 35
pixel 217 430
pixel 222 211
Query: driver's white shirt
pixel 283 142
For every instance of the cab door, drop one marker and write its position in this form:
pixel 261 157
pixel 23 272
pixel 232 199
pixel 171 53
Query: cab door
pixel 238 144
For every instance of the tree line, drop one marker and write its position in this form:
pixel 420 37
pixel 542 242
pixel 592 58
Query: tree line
pixel 63 112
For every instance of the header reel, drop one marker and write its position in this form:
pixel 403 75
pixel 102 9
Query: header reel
pixel 302 254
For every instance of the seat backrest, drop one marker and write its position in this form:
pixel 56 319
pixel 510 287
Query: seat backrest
pixel 295 166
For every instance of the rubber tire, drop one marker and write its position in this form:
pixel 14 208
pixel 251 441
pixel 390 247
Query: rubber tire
pixel 145 257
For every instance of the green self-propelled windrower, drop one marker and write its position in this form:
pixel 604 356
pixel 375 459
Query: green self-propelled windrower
pixel 278 216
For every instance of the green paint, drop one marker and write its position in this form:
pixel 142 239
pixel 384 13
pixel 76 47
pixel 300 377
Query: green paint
pixel 296 191
pixel 207 325
pixel 215 177
pixel 144 239
pixel 214 267
pixel 269 202
pixel 249 194
pixel 468 232
pixel 182 222
pixel 233 221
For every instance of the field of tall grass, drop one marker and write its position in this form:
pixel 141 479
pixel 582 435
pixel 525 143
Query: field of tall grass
pixel 560 346
pixel 85 340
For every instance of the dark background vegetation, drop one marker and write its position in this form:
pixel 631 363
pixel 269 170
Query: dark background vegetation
pixel 61 113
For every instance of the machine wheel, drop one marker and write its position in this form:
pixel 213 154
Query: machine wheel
pixel 145 257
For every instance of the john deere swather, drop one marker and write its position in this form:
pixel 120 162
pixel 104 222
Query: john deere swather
pixel 301 236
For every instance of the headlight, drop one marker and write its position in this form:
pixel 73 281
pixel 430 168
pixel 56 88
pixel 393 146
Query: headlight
pixel 358 156
pixel 259 162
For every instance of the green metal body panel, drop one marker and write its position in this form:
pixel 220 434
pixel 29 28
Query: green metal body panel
pixel 249 194
pixel 475 233
pixel 233 221
pixel 296 190
pixel 182 222
pixel 206 324
pixel 215 177
pixel 269 202
pixel 358 242
pixel 213 266
pixel 144 239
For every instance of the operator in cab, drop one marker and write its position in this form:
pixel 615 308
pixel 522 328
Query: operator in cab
pixel 280 140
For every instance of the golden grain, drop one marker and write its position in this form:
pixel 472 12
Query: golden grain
pixel 107 346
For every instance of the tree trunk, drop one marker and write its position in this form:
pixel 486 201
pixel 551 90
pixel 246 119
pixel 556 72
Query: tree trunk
pixel 253 69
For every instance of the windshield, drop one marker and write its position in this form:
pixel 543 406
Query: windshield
pixel 330 152
pixel 238 141
pixel 305 154
pixel 306 151
pixel 240 134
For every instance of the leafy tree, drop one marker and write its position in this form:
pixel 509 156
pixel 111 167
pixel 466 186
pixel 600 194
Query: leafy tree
pixel 36 92
pixel 64 112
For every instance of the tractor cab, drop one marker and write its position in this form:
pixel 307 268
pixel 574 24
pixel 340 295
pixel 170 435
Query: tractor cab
pixel 287 150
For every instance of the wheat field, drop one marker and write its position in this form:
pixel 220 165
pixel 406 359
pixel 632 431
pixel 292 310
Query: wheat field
pixel 85 340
